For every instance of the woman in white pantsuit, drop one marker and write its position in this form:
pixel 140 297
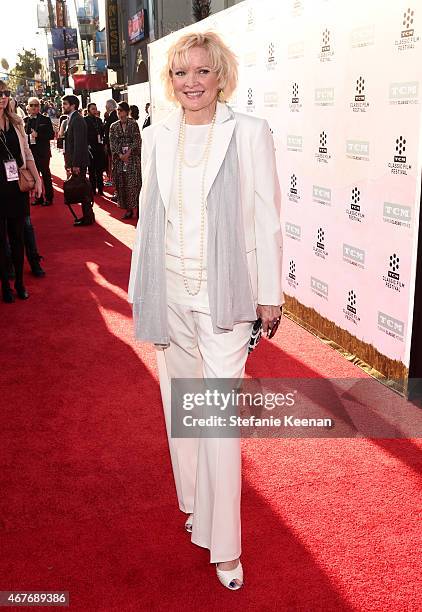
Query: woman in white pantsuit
pixel 206 263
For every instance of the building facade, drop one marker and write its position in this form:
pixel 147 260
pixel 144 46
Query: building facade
pixel 159 17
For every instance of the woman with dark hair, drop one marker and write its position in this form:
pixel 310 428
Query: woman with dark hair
pixel 14 204
pixel 125 147
pixel 134 112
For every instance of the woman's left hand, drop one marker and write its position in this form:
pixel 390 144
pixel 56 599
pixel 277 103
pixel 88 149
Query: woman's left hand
pixel 270 316
pixel 38 188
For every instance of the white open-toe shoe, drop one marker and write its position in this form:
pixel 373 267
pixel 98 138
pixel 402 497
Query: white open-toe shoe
pixel 227 577
pixel 188 523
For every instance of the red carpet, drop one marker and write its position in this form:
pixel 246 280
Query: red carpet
pixel 87 498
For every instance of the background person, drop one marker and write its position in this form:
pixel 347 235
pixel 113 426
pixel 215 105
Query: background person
pixel 96 149
pixel 147 120
pixel 110 117
pixel 31 250
pixel 134 112
pixel 76 156
pixel 14 204
pixel 125 147
pixel 40 132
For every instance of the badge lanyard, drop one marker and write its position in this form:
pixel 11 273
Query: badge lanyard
pixel 10 166
pixel 97 128
pixel 33 139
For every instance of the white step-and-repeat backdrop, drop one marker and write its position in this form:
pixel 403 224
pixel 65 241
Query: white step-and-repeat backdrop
pixel 340 84
pixel 100 98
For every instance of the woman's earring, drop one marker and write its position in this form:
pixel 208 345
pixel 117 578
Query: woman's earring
pixel 221 95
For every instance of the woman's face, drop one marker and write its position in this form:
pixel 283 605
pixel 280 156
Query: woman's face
pixel 4 101
pixel 195 86
pixel 122 114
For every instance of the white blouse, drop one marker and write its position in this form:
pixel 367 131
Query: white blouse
pixel 195 142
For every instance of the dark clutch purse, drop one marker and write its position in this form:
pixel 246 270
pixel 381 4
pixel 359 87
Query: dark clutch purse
pixel 255 335
pixel 257 332
pixel 76 189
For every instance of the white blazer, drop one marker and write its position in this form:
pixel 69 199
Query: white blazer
pixel 260 191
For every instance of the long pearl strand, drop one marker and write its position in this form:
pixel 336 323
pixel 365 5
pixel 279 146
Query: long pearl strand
pixel 181 160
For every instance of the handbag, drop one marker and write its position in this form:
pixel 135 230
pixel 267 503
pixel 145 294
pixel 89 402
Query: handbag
pixel 77 189
pixel 257 332
pixel 255 335
pixel 26 181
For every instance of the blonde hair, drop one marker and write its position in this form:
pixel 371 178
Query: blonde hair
pixel 222 61
pixel 9 111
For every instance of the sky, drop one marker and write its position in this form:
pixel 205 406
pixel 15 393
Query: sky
pixel 19 27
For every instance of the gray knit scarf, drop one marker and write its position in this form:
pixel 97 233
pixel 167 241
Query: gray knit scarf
pixel 229 289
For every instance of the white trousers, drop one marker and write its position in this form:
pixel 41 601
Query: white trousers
pixel 207 471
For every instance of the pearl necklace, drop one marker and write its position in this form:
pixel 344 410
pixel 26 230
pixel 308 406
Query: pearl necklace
pixel 181 160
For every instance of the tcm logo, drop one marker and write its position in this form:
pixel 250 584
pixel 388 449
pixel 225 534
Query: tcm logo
pixel 324 96
pixel 270 98
pixel 319 286
pixel 392 325
pixel 400 157
pixel 271 62
pixel 408 20
pixel 271 55
pixel 325 41
pixel 355 199
pixel 293 184
pixel 353 209
pixel 293 193
pixel 251 19
pixel 394 266
pixel 400 215
pixel 291 276
pixel 250 97
pixel 326 49
pixel 360 90
pixel 320 238
pixel 392 278
pixel 297 7
pixel 293 231
pixel 404 91
pixel 294 142
pixel 296 49
pixel 322 155
pixel 351 301
pixel 319 248
pixel 292 270
pixel 321 194
pixel 408 37
pixel 322 142
pixel 250 58
pixel 357 149
pixel 294 100
pixel 354 255
pixel 362 36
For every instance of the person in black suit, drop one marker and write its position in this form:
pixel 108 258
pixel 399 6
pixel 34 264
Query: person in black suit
pixel 111 106
pixel 96 148
pixel 111 111
pixel 147 120
pixel 76 155
pixel 40 131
